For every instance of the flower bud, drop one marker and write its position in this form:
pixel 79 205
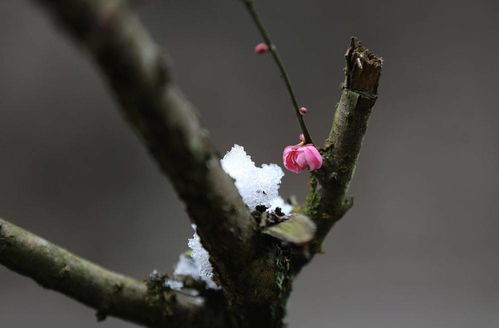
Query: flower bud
pixel 261 48
pixel 299 158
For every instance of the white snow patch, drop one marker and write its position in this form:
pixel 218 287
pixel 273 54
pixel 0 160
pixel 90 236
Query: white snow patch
pixel 257 185
pixel 197 265
pixel 175 284
pixel 201 260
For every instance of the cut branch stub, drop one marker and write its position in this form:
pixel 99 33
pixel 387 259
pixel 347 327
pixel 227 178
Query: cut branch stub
pixel 363 69
pixel 327 201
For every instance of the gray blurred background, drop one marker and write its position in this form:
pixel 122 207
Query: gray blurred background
pixel 419 249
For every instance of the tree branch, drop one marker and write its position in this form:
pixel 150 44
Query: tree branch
pixel 108 292
pixel 253 269
pixel 327 200
pixel 111 34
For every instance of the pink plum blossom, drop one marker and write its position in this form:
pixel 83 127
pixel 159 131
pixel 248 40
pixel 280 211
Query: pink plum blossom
pixel 301 157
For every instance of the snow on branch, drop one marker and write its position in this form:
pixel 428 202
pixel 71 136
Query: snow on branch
pixel 257 185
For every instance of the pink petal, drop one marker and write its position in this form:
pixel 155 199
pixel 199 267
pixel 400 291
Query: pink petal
pixel 289 159
pixel 301 159
pixel 298 158
pixel 313 157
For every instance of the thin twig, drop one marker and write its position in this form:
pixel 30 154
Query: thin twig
pixel 273 50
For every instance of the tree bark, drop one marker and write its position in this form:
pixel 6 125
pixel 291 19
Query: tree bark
pixel 254 270
pixel 111 34
pixel 327 200
pixel 107 292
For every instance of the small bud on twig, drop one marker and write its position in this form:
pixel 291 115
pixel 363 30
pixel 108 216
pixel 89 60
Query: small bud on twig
pixel 261 48
pixel 301 137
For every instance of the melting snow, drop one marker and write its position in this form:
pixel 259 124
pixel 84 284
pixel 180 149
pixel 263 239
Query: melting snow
pixel 257 186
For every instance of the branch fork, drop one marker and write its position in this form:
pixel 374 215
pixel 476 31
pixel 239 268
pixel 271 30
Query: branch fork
pixel 255 270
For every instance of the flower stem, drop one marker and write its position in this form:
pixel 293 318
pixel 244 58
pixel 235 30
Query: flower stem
pixel 265 35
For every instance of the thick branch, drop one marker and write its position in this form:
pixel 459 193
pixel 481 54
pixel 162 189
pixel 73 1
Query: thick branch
pixel 327 201
pixel 166 122
pixel 108 292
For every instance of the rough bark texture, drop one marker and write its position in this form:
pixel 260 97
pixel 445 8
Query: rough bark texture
pixel 166 122
pixel 107 292
pixel 327 200
pixel 254 270
pixel 111 34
